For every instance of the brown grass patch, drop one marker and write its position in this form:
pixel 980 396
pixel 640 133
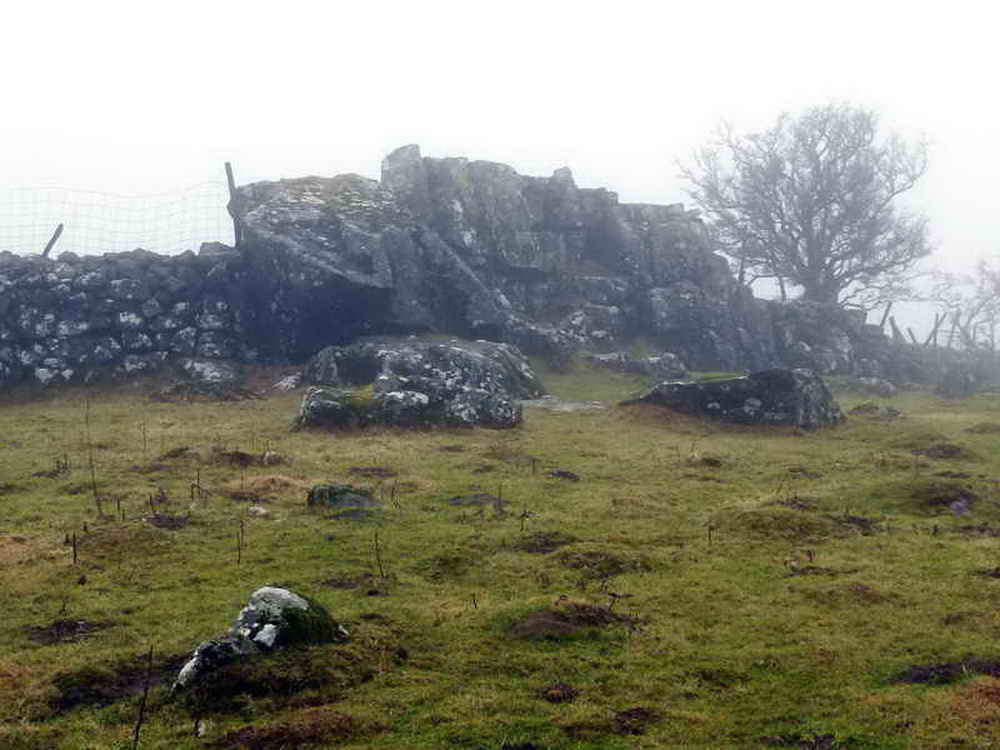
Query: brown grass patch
pixel 773 523
pixel 16 550
pixel 121 541
pixel 63 631
pixel 937 494
pixel 256 489
pixel 850 593
pixel 316 727
pixel 543 542
pixel 978 704
pixel 629 722
pixel 945 451
pixel 102 685
pixel 559 692
pixel 948 672
pixel 867 594
pixel 567 618
pixel 595 563
pixel 373 472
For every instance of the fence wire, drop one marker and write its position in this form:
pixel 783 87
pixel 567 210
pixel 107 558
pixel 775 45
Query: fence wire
pixel 96 222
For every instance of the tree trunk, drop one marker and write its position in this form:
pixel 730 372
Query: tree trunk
pixel 819 294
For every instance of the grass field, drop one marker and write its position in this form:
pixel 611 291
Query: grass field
pixel 700 585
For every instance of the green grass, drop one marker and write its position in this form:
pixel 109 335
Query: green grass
pixel 771 582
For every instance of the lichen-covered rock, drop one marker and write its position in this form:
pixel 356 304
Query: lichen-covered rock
pixel 288 383
pixel 420 383
pixel 447 365
pixel 402 408
pixel 477 407
pixel 793 397
pixel 333 408
pixel 321 369
pixel 274 617
pixel 665 366
pixel 211 370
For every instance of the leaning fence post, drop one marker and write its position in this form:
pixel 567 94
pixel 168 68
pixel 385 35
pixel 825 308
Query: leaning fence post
pixel 52 242
pixel 237 227
pixel 897 335
pixel 885 316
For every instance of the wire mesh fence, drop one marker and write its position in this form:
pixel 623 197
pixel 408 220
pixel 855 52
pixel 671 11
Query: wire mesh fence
pixel 97 222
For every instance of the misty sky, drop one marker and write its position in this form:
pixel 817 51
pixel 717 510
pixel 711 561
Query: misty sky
pixel 140 97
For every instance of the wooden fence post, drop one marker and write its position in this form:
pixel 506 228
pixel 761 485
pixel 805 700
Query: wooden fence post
pixel 52 242
pixel 237 227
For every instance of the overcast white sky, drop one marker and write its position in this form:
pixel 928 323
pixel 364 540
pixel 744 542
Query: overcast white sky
pixel 136 97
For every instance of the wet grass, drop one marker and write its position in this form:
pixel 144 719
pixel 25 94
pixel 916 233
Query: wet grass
pixel 699 586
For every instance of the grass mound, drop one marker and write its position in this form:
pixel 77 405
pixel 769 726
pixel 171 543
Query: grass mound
pixel 599 563
pixel 936 494
pixel 64 630
pixel 775 523
pixel 543 542
pixel 944 673
pixel 314 728
pixel 566 620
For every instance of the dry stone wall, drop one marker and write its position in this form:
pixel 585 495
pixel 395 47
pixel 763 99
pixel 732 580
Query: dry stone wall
pixel 71 319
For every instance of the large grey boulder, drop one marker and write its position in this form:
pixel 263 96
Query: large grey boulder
pixel 437 365
pixel 778 396
pixel 274 617
pixel 417 383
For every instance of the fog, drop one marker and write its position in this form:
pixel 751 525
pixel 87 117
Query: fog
pixel 132 98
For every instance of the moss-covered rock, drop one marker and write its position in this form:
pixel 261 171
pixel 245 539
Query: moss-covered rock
pixel 274 617
pixel 339 496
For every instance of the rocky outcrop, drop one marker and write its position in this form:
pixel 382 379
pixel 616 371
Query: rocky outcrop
pixel 472 248
pixel 467 248
pixel 408 382
pixel 274 617
pixel 778 396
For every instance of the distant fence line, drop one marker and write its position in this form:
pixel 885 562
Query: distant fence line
pixel 97 222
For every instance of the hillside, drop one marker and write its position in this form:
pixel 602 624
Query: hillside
pixel 699 585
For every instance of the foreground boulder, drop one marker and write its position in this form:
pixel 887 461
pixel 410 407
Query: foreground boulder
pixel 472 407
pixel 416 383
pixel 274 617
pixel 793 397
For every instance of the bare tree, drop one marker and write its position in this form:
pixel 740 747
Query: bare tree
pixel 812 202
